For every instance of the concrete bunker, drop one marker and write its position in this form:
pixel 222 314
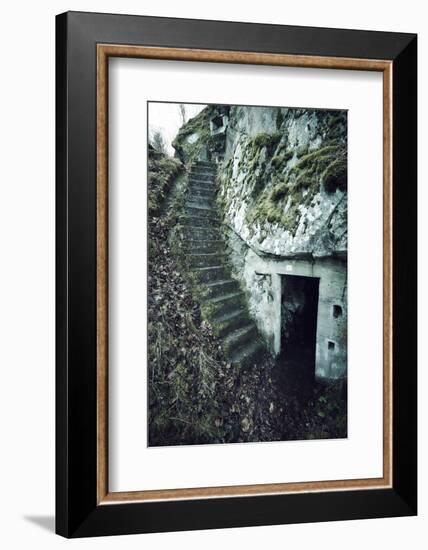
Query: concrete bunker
pixel 265 280
pixel 218 124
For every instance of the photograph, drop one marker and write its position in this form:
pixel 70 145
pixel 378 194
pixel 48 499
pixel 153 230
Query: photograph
pixel 212 271
pixel 247 215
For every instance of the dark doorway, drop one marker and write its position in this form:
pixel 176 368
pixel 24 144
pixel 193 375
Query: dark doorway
pixel 299 311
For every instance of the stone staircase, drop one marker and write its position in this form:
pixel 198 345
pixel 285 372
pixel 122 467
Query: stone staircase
pixel 223 303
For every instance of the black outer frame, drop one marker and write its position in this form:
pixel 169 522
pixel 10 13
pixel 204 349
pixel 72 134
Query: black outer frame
pixel 77 513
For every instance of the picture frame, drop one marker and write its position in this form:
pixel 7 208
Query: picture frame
pixel 84 44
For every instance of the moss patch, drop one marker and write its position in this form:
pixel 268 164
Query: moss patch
pixel 335 176
pixel 273 191
pixel 281 203
pixel 270 141
pixel 279 161
pixel 205 142
pixel 162 171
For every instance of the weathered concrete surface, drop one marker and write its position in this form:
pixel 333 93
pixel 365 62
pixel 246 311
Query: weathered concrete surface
pixel 223 303
pixel 283 180
pixel 283 200
pixel 263 278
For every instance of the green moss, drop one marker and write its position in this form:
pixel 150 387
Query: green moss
pixel 280 204
pixel 279 192
pixel 315 162
pixel 275 191
pixel 335 176
pixel 162 171
pixel 326 165
pixel 256 156
pixel 197 124
pixel 279 161
pixel 200 125
pixel 302 151
pixel 273 211
pixel 264 139
pixel 254 159
pixel 207 311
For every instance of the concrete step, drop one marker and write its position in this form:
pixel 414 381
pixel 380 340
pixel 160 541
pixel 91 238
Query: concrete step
pixel 202 176
pixel 229 321
pixel 203 185
pixel 239 338
pixel 201 208
pixel 205 190
pixel 201 233
pixel 202 192
pixel 200 171
pixel 224 286
pixel 197 220
pixel 249 354
pixel 193 216
pixel 207 203
pixel 205 246
pixel 203 179
pixel 204 165
pixel 210 274
pixel 206 259
pixel 208 166
pixel 202 204
pixel 207 163
pixel 223 303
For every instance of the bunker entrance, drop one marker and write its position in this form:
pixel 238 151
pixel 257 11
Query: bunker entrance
pixel 299 311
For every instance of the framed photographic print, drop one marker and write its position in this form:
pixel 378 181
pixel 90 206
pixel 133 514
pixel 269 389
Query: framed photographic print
pixel 236 274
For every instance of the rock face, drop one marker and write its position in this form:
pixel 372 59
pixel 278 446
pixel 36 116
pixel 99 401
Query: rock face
pixel 282 190
pixel 284 180
pixel 283 175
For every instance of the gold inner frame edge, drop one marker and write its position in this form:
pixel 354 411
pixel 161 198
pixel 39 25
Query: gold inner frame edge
pixel 104 52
